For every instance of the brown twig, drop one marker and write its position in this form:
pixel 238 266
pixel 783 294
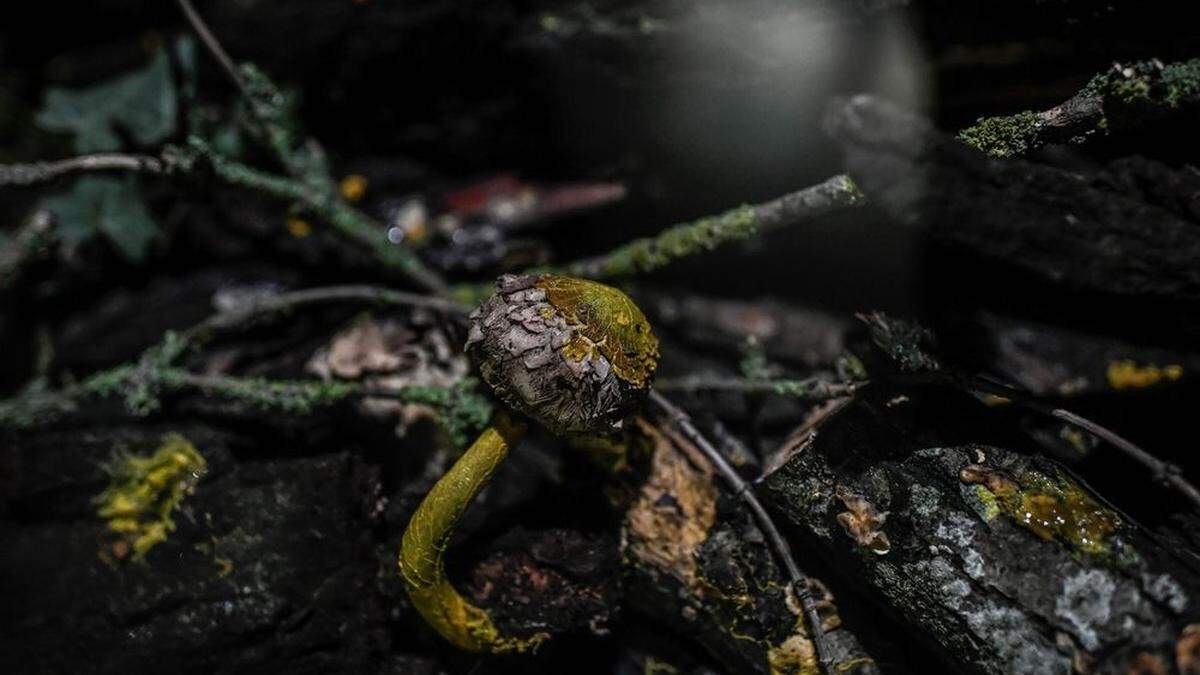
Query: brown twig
pixel 41 172
pixel 680 420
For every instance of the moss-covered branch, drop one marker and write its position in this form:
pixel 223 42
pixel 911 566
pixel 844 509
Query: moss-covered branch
pixel 143 390
pixel 1124 98
pixel 706 234
pixel 348 221
pixel 326 204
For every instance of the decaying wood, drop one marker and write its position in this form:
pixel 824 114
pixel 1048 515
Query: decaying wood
pixel 1000 560
pixel 1065 227
pixel 697 562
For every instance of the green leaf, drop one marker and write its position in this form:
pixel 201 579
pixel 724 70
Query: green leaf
pixel 141 103
pixel 105 205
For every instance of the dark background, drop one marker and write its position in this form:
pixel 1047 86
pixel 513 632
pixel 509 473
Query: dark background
pixel 693 118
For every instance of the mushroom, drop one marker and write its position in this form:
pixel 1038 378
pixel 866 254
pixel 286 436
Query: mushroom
pixel 576 356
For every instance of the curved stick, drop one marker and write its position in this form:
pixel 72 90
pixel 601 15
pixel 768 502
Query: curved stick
pixel 423 550
pixel 745 491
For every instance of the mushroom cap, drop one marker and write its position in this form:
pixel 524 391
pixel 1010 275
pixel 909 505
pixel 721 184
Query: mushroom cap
pixel 575 355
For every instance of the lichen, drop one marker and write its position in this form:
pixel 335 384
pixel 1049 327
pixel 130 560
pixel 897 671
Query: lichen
pixel 681 241
pixel 1086 604
pixel 1138 93
pixel 1055 509
pixel 1009 136
pixel 143 492
pixel 1127 374
pixel 297 398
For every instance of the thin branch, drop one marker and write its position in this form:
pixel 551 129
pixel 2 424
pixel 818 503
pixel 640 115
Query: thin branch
pixel 153 372
pixel 1166 472
pixel 680 420
pixel 1125 97
pixel 214 47
pixel 283 302
pixel 706 234
pixel 811 389
pixel 347 220
pixel 41 172
pixel 304 161
pixel 142 389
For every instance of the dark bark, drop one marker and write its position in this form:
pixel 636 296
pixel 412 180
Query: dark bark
pixel 1092 592
pixel 1066 228
pixel 696 561
pixel 257 574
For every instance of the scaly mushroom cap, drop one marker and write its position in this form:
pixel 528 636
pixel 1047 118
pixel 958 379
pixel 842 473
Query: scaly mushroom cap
pixel 574 355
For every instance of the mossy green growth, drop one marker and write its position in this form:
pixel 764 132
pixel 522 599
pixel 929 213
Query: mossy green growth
pixel 143 492
pixel 293 397
pixel 1009 136
pixel 1144 91
pixel 675 243
pixel 1055 509
pixel 464 412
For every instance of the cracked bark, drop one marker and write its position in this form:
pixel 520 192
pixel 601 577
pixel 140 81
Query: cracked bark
pixel 966 570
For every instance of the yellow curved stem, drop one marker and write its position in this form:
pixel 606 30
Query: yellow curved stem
pixel 423 550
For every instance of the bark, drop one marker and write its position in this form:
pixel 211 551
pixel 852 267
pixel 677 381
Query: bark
pixel 697 563
pixel 1066 228
pixel 1000 560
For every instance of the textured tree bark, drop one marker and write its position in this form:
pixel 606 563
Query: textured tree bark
pixel 1080 231
pixel 1001 560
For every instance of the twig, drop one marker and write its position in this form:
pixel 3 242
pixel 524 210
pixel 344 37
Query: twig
pixel 680 420
pixel 142 387
pixel 41 172
pixel 153 371
pixel 347 220
pixel 1124 97
pixel 1166 472
pixel 304 161
pixel 744 222
pixel 811 389
pixel 214 47
pixel 283 302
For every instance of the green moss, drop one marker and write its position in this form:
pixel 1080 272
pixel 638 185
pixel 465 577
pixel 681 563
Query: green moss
pixel 681 241
pixel 1147 90
pixel 143 492
pixel 297 398
pixel 464 411
pixel 1009 136
pixel 989 505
